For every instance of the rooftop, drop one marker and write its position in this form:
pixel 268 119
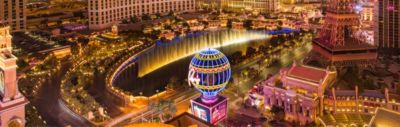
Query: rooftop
pixel 343 93
pixel 349 45
pixel 6 55
pixel 385 118
pixel 372 93
pixel 307 73
pixel 188 120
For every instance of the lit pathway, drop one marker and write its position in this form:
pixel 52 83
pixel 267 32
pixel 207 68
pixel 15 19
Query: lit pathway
pixel 136 115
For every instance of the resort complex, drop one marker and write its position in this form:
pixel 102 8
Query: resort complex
pixel 199 63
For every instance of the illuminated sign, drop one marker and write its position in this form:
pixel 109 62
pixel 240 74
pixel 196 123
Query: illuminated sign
pixel 390 8
pixel 201 112
pixel 219 112
pixel 210 113
pixel 193 77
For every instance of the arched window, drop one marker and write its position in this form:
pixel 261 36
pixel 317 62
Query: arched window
pixel 2 82
pixel 15 123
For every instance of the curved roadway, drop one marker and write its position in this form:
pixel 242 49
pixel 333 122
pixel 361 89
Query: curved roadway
pixel 52 108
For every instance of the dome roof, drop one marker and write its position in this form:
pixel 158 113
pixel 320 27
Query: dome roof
pixel 209 72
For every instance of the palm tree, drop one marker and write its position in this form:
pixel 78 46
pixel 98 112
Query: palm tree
pixel 171 107
pixel 151 106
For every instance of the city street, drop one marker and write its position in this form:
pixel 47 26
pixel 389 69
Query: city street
pixel 235 92
pixel 49 104
pixel 205 63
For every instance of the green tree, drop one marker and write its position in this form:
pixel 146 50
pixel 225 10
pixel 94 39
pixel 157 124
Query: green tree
pixel 247 24
pixel 44 23
pixel 171 13
pixel 158 14
pixel 185 24
pixel 146 17
pixel 278 113
pixel 59 22
pixel 155 34
pixel 125 21
pixel 250 52
pixel 22 64
pixel 169 27
pixel 229 24
pixel 50 62
pixel 262 49
pixel 236 57
pixel 134 19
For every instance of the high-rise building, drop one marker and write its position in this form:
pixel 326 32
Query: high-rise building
pixel 387 26
pixel 251 5
pixel 208 4
pixel 12 13
pixel 301 1
pixel 336 40
pixel 12 102
pixel 367 13
pixel 104 13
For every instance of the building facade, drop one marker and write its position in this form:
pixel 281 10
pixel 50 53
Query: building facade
pixel 387 26
pixel 301 1
pixel 384 118
pixel 336 41
pixel 208 4
pixel 104 13
pixel 367 14
pixel 302 91
pixel 361 102
pixel 13 13
pixel 12 102
pixel 251 5
pixel 299 90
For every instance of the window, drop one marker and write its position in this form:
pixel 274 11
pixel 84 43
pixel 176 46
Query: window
pixel 395 107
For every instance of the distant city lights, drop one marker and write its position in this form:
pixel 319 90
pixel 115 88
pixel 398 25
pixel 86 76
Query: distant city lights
pixel 358 8
pixel 390 8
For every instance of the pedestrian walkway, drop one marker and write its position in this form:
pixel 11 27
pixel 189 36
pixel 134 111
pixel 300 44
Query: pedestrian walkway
pixel 345 119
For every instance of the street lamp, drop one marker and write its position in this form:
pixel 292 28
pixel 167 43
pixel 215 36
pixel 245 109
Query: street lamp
pixel 157 94
pixel 141 93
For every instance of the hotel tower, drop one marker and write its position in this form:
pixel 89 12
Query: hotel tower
pixel 387 26
pixel 12 13
pixel 104 13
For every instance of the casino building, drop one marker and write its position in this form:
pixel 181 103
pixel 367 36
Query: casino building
pixel 387 26
pixel 299 90
pixel 104 13
pixel 305 95
pixel 357 101
pixel 336 41
pixel 251 5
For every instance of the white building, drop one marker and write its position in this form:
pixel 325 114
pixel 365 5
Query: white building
pixel 299 90
pixel 252 5
pixel 104 13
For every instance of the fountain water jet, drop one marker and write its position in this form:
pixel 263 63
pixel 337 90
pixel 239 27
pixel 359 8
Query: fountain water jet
pixel 166 52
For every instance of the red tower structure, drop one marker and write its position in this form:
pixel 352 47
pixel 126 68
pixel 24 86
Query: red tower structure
pixel 335 40
pixel 12 102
